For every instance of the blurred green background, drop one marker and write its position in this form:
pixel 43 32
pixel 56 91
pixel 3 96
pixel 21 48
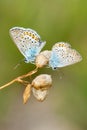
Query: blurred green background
pixel 54 20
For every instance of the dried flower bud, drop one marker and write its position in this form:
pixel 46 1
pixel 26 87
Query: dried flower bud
pixel 40 94
pixel 26 94
pixel 43 81
pixel 42 59
pixel 46 53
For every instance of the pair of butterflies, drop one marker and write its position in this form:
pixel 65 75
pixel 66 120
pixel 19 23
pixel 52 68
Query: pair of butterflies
pixel 30 45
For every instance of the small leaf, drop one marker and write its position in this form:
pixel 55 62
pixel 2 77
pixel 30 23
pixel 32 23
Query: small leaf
pixel 26 94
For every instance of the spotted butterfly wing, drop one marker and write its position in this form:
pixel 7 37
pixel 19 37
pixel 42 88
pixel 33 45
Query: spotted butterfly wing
pixel 63 55
pixel 28 42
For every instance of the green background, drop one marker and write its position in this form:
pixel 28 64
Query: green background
pixel 54 20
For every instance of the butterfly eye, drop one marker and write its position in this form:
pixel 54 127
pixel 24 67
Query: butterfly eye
pixel 54 68
pixel 25 60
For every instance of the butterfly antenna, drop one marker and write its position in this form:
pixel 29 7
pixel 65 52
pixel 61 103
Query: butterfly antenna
pixel 16 66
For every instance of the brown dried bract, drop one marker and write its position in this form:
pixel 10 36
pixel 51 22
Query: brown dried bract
pixel 27 93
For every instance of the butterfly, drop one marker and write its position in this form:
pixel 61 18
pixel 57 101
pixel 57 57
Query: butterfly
pixel 27 41
pixel 63 55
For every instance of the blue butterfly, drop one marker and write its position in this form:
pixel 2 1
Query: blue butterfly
pixel 28 42
pixel 63 55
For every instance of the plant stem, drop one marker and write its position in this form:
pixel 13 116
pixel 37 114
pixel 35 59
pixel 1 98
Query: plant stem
pixel 19 78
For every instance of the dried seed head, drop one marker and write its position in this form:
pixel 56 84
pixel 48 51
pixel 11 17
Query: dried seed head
pixel 26 94
pixel 42 59
pixel 40 94
pixel 43 81
pixel 46 53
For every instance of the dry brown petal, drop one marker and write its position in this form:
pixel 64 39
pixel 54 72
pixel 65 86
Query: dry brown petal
pixel 26 94
pixel 40 94
pixel 43 81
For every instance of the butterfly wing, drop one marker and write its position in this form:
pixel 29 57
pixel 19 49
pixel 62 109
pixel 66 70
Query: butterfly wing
pixel 27 41
pixel 63 55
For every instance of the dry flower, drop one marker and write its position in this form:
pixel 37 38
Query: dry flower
pixel 40 94
pixel 42 59
pixel 43 81
pixel 46 53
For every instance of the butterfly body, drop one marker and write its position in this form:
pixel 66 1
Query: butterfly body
pixel 28 42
